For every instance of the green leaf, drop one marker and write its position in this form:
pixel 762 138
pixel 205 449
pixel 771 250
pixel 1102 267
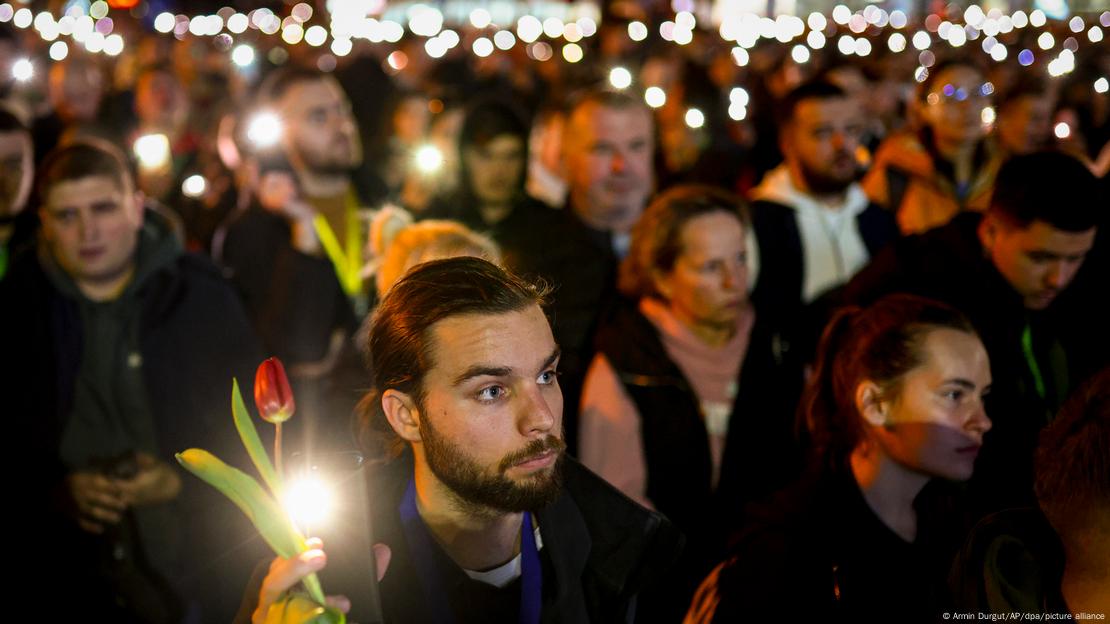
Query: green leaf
pixel 252 442
pixel 267 516
pixel 299 609
pixel 261 508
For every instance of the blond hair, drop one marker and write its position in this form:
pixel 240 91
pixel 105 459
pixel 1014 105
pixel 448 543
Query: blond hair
pixel 411 244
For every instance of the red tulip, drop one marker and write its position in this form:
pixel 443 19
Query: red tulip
pixel 272 393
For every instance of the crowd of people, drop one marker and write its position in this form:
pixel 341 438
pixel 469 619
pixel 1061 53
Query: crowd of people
pixel 847 358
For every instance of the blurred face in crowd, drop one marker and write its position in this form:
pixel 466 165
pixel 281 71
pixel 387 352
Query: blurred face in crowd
pixel 160 100
pixel 708 285
pixel 820 143
pixel 608 152
pixel 489 427
pixel 320 133
pixel 934 424
pixel 92 226
pixel 496 168
pixel 411 120
pixel 953 108
pixel 76 88
pixel 16 172
pixel 1038 261
pixel 1025 125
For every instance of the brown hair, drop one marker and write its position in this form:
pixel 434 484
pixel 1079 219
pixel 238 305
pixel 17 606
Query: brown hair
pixel 1072 462
pixel 601 98
pixel 83 158
pixel 397 344
pixel 657 236
pixel 880 343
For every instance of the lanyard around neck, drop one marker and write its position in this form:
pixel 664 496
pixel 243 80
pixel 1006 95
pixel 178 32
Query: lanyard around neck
pixel 1031 360
pixel 422 546
pixel 348 261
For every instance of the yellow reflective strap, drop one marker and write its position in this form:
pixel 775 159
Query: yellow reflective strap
pixel 347 263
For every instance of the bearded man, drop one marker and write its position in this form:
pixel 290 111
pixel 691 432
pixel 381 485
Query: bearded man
pixel 478 515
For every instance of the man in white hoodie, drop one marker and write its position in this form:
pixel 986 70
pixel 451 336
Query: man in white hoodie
pixel 813 227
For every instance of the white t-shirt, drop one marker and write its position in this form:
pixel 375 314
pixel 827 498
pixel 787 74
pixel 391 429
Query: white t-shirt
pixel 505 573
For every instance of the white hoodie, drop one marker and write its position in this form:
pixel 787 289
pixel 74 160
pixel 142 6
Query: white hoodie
pixel 832 248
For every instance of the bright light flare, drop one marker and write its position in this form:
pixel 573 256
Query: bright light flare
pixel 309 501
pixel 620 78
pixel 695 118
pixel 637 31
pixel 194 186
pixel 152 150
pixel 429 159
pixel 23 70
pixel 264 129
pixel 242 55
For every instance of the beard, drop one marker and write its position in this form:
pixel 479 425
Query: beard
pixel 821 183
pixel 477 488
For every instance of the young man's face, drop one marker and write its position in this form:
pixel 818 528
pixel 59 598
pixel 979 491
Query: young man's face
pixel 491 426
pixel 1025 126
pixel 92 227
pixel 320 130
pixel 496 168
pixel 1038 261
pixel 820 143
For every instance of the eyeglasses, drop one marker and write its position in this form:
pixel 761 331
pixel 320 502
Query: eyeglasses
pixel 959 93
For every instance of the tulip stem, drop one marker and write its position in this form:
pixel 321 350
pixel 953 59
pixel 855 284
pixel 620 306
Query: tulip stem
pixel 277 451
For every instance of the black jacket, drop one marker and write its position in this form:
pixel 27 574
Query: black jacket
pixel 760 453
pixel 294 300
pixel 778 292
pixel 600 550
pixel 523 236
pixel 194 338
pixel 581 266
pixel 819 554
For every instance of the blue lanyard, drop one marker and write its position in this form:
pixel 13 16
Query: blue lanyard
pixel 423 549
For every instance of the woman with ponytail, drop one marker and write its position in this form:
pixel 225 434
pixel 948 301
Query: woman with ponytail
pixel 894 414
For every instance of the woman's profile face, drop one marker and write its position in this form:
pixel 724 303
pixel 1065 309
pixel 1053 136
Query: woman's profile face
pixel 708 284
pixel 935 425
